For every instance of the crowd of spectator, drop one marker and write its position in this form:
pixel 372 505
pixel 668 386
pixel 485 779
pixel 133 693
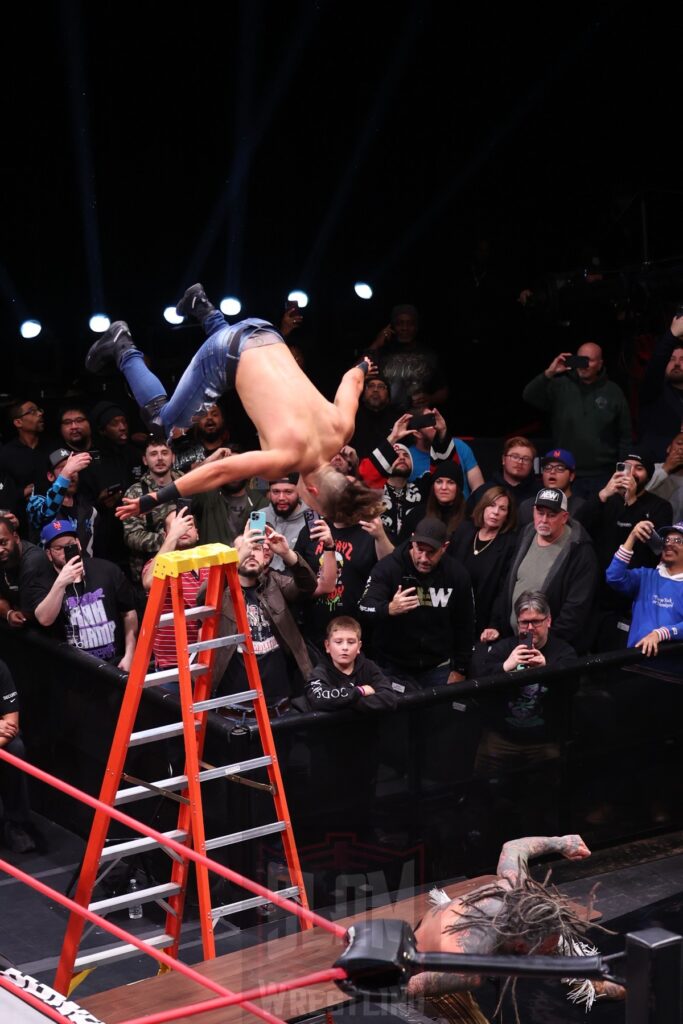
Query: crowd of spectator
pixel 467 569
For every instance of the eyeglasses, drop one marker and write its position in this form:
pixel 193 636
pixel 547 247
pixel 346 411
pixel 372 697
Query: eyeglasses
pixel 556 467
pixel 72 422
pixel 524 459
pixel 30 412
pixel 677 541
pixel 531 623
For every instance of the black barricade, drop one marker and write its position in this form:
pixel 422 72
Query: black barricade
pixel 387 801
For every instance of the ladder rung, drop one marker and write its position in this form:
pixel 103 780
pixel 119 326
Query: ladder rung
pixel 202 611
pixel 138 845
pixel 131 899
pixel 161 732
pixel 221 702
pixel 219 641
pixel 255 901
pixel 245 836
pixel 125 796
pixel 171 675
pixel 121 951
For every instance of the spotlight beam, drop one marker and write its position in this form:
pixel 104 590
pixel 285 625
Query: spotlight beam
pixel 76 87
pixel 232 194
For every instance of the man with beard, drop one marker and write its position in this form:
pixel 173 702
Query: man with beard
pixel 667 480
pixel 661 391
pixel 211 429
pixel 390 466
pixel 20 564
pixel 24 457
pixel 609 517
pixel 222 514
pixel 375 416
pixel 286 512
pixel 280 649
pixel 143 536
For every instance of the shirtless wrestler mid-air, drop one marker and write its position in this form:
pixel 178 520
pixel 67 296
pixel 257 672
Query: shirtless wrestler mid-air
pixel 299 430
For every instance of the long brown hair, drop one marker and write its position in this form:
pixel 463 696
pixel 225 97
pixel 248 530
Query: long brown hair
pixel 452 515
pixel 488 498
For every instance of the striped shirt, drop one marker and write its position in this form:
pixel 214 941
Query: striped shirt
pixel 164 646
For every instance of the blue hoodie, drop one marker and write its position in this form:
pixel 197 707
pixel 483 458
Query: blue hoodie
pixel 657 598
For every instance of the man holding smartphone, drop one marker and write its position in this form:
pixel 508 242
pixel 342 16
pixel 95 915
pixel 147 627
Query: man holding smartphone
pixel 88 600
pixel 589 414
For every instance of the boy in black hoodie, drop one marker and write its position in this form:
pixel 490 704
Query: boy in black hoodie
pixel 345 677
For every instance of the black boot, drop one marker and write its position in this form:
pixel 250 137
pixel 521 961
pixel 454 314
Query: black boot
pixel 149 416
pixel 195 304
pixel 110 346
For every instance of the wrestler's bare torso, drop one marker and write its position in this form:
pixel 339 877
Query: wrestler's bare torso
pixel 291 416
pixel 299 430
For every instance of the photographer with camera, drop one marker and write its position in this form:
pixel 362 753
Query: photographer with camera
pixel 88 600
pixel 589 414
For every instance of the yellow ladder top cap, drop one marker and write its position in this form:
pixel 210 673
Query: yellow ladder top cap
pixel 173 563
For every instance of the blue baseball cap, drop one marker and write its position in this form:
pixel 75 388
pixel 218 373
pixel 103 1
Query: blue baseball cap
pixel 56 528
pixel 560 455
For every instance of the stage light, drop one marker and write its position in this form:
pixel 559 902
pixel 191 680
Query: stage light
pixel 30 329
pixel 362 290
pixel 171 317
pixel 99 323
pixel 230 306
pixel 301 298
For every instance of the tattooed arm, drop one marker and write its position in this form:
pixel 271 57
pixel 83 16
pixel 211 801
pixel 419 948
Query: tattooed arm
pixel 515 855
pixel 437 936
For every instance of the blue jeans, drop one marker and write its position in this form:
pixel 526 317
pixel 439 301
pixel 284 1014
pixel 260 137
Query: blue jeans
pixel 210 374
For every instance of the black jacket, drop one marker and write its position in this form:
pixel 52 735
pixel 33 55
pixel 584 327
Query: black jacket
pixel 661 404
pixel 328 689
pixel 487 570
pixel 441 629
pixel 570 588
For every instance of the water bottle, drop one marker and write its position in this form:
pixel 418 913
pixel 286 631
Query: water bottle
pixel 135 909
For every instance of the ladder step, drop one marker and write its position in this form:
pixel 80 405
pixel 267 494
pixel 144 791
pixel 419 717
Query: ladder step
pixel 245 836
pixel 125 796
pixel 172 675
pixel 202 611
pixel 219 641
pixel 121 951
pixel 255 901
pixel 131 899
pixel 221 702
pixel 161 732
pixel 139 845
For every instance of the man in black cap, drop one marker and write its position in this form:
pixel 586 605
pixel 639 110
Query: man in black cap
pixel 61 499
pixel 286 511
pixel 609 517
pixel 375 416
pixel 558 469
pixel 119 465
pixel 557 558
pixel 422 610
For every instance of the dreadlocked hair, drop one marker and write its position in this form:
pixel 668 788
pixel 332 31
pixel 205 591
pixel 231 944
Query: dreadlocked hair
pixel 529 911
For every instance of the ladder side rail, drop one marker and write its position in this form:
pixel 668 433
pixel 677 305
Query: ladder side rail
pixel 267 741
pixel 190 815
pixel 111 779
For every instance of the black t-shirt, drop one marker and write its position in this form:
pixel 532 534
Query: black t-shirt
pixel 272 663
pixel 90 617
pixel 355 555
pixel 16 584
pixel 9 698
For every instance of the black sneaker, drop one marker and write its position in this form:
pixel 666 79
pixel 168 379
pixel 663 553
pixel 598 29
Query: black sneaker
pixel 17 838
pixel 109 346
pixel 195 303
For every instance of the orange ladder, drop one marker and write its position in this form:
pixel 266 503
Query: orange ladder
pixel 195 681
